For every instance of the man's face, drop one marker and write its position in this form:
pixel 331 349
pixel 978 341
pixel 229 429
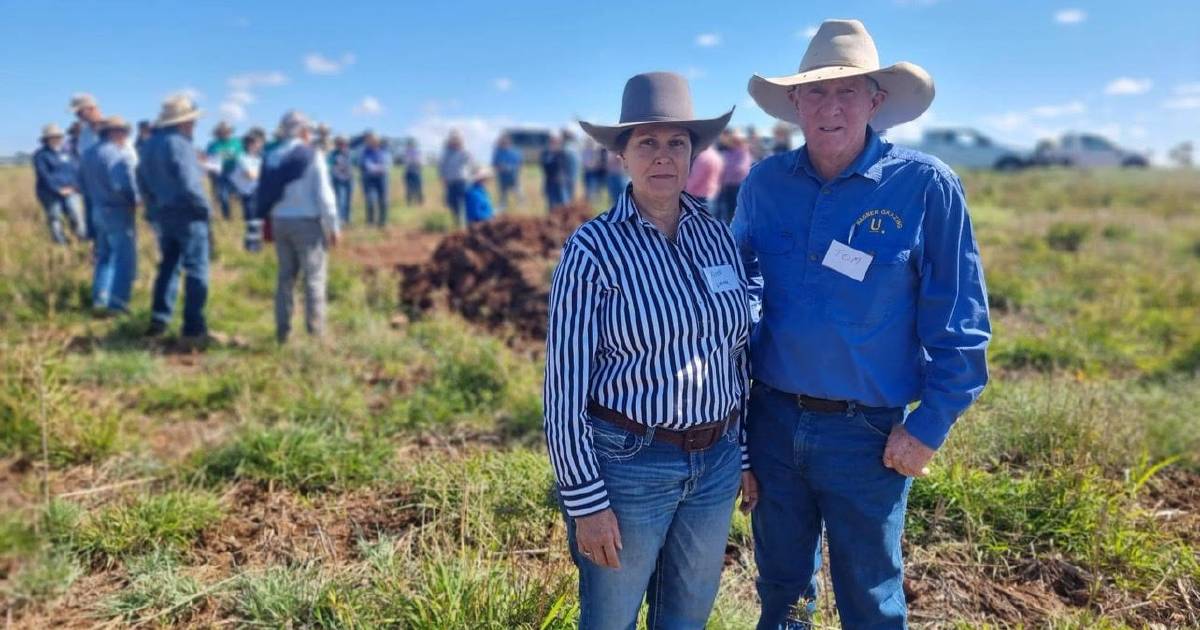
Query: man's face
pixel 119 137
pixel 834 113
pixel 54 143
pixel 88 113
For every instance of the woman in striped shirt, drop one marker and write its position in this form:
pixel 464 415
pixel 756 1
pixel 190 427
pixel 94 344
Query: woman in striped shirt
pixel 647 378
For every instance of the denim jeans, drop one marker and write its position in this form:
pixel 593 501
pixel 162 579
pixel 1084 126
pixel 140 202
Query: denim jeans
pixel 70 208
pixel 508 186
pixel 726 202
pixel 673 510
pixel 115 259
pixel 376 195
pixel 456 200
pixel 343 190
pixel 182 244
pixel 826 467
pixel 556 195
pixel 222 188
pixel 413 195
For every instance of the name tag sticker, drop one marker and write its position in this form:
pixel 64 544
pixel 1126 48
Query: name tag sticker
pixel 847 261
pixel 721 278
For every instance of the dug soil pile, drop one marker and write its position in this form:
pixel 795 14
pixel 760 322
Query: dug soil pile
pixel 496 273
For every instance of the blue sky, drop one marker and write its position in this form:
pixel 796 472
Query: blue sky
pixel 1018 70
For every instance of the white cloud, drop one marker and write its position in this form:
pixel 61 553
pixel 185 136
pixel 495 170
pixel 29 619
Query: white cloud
pixel 1070 16
pixel 911 131
pixel 1183 102
pixel 257 79
pixel 1128 86
pixel 708 40
pixel 1056 111
pixel 478 133
pixel 503 84
pixel 1138 132
pixel 241 97
pixel 1010 121
pixel 807 33
pixel 233 112
pixel 368 106
pixel 316 63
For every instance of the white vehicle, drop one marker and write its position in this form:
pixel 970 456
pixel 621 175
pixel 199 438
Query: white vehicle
pixel 1087 150
pixel 967 148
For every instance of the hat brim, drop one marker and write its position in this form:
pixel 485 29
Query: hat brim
pixel 705 130
pixel 167 122
pixel 909 90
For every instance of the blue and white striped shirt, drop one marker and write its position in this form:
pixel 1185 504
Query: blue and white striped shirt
pixel 654 329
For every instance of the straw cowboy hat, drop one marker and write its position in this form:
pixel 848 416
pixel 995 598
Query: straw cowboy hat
pixel 481 172
pixel 114 122
pixel 176 110
pixel 80 101
pixel 844 48
pixel 658 97
pixel 51 131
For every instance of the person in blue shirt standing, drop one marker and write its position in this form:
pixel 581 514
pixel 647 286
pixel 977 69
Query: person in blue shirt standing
pixel 478 203
pixel 872 297
pixel 375 164
pixel 107 176
pixel 506 160
pixel 57 185
pixel 341 172
pixel 572 164
pixel 171 180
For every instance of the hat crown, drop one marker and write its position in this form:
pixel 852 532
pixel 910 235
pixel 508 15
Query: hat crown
pixel 656 96
pixel 176 106
pixel 841 43
pixel 51 130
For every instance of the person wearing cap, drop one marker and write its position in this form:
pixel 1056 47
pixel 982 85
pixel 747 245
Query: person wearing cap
pixel 88 116
pixel 646 376
pixel 872 298
pixel 374 165
pixel 477 202
pixel 172 182
pixel 57 185
pixel 295 193
pixel 107 175
pixel 222 154
pixel 454 169
pixel 341 173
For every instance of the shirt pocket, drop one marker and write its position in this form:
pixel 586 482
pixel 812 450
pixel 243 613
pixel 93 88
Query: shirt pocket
pixel 889 284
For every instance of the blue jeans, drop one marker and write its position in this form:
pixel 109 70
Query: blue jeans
pixel 508 185
pixel 116 260
pixel 182 244
pixel 222 188
pixel 343 190
pixel 556 195
pixel 826 467
pixel 413 195
pixel 456 199
pixel 71 208
pixel 673 510
pixel 375 193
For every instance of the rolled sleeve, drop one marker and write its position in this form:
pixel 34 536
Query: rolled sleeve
pixel 571 340
pixel 953 324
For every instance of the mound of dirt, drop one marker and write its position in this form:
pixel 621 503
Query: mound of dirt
pixel 495 273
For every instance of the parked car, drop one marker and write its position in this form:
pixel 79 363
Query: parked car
pixel 530 141
pixel 967 148
pixel 1086 150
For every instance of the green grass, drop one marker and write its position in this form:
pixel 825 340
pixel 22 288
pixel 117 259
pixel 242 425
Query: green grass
pixel 171 520
pixel 157 589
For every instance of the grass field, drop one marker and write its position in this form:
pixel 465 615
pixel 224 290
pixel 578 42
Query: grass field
pixel 394 475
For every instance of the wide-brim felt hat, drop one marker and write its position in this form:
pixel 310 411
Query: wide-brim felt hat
pixel 844 48
pixel 658 98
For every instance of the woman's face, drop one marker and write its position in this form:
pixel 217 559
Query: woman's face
pixel 658 158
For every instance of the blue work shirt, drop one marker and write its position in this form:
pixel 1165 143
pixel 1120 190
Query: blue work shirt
pixel 107 178
pixel 479 205
pixel 915 328
pixel 54 171
pixel 171 179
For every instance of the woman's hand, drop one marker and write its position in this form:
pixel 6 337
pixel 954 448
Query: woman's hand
pixel 598 538
pixel 749 491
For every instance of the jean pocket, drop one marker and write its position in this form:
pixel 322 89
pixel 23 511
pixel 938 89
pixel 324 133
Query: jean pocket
pixel 612 443
pixel 879 423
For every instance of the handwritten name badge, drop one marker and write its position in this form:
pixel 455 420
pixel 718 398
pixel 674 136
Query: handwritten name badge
pixel 721 278
pixel 847 261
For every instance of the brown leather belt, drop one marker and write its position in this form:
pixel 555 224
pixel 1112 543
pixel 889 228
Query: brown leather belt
pixel 697 438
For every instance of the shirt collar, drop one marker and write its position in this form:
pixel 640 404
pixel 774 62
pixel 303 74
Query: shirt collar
pixel 626 210
pixel 868 163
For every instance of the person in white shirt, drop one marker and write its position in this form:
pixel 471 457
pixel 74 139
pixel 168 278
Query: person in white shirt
pixel 245 182
pixel 295 190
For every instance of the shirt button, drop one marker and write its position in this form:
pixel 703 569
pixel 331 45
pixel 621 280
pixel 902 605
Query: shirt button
pixel 812 257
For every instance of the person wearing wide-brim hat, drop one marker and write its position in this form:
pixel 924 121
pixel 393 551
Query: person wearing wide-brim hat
pixel 57 185
pixel 873 298
pixel 171 179
pixel 646 375
pixel 106 172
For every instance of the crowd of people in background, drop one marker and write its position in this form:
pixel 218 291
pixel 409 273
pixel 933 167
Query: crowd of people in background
pixel 91 177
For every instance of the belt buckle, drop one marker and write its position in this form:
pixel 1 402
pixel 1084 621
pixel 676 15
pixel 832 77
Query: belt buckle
pixel 692 442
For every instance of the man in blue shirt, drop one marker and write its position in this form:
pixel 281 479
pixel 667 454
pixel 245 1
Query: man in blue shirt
pixel 171 179
pixel 872 297
pixel 107 177
pixel 57 187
